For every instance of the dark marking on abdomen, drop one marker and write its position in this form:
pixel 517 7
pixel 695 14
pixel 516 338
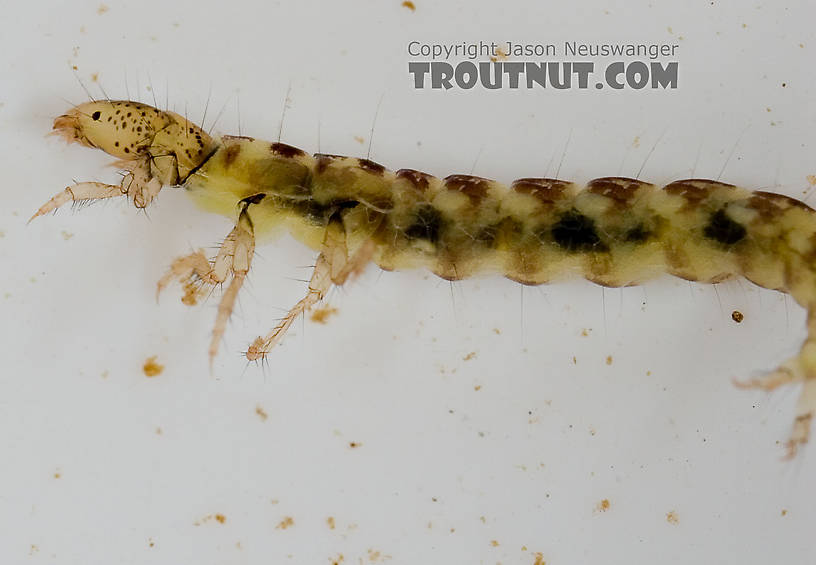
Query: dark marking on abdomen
pixel 576 232
pixel 427 225
pixel 723 229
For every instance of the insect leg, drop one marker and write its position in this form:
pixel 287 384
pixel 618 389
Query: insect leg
pixel 333 266
pixel 196 274
pixel 80 192
pixel 801 368
pixel 242 243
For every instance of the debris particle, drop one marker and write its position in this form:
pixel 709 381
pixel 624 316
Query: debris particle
pixel 330 522
pixel 636 142
pixel 220 518
pixel 354 444
pixel 261 413
pixel 66 235
pixel 603 505
pixel 321 315
pixel 359 139
pixel 671 518
pixel 608 359
pixel 94 77
pixel 539 559
pixel 151 368
pixel 494 543
pixel 811 180
pixel 737 316
pixel 496 331
pixel 102 9
pixel 784 512
pixel 410 5
pixel 469 356
pixel 285 523
pixel 477 388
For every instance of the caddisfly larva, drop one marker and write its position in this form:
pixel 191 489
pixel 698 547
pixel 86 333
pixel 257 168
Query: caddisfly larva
pixel 615 231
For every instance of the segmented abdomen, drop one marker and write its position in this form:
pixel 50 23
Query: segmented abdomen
pixel 615 231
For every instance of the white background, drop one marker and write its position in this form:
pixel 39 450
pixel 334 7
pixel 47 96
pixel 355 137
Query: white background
pixel 443 468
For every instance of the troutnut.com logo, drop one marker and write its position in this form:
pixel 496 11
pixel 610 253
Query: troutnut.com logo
pixel 519 65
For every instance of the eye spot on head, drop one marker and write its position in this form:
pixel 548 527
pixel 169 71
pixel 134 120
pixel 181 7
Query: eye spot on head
pixel 96 115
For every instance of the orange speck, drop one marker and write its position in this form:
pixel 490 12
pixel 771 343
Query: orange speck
pixel 608 359
pixel 494 543
pixel 477 387
pixel 220 518
pixel 330 522
pixel 354 444
pixel 603 505
pixel 102 9
pixel 359 139
pixel 261 412
pixel 410 5
pixel 784 512
pixel 151 368
pixel 672 518
pixel 737 316
pixel 469 356
pixel 539 559
pixel 285 523
pixel 811 180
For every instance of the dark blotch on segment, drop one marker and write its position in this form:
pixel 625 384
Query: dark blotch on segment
pixel 427 225
pixel 286 150
pixel 418 179
pixel 547 191
pixel 638 234
pixel 695 190
pixel 576 232
pixel 619 189
pixel 371 166
pixel 231 154
pixel 324 160
pixel 96 115
pixel 723 229
pixel 474 188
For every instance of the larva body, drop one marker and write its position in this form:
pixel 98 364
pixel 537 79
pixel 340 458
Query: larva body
pixel 614 231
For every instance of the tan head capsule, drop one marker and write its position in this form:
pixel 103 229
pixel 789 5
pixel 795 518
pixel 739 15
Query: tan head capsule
pixel 133 131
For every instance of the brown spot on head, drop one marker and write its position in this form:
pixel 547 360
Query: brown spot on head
pixel 286 150
pixel 548 191
pixel 231 154
pixel 371 166
pixel 619 189
pixel 474 188
pixel 694 191
pixel 418 179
